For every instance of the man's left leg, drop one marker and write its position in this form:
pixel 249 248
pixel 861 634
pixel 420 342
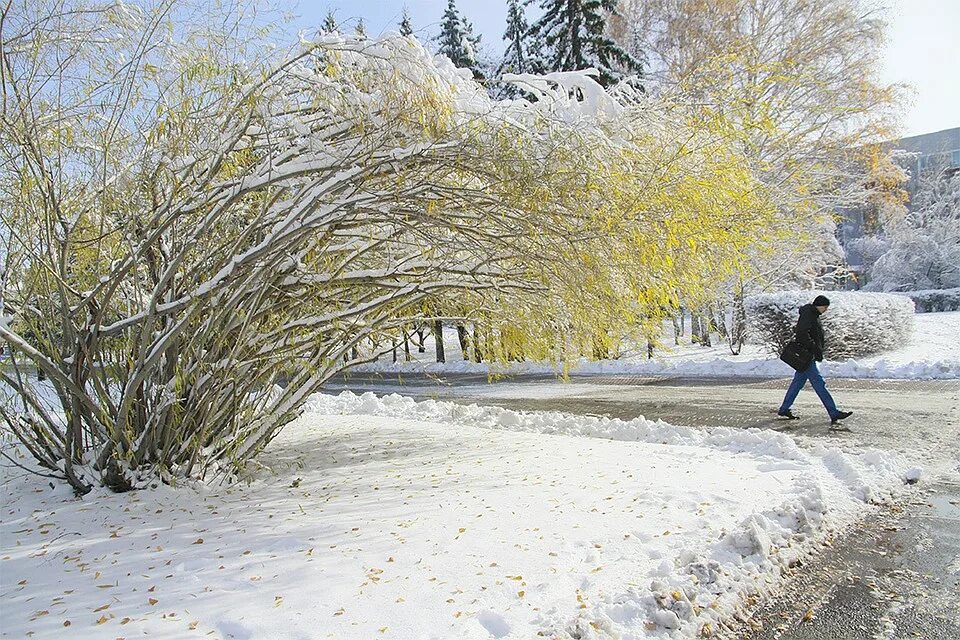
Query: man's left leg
pixel 818 384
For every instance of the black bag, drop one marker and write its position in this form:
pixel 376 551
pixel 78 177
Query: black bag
pixel 797 356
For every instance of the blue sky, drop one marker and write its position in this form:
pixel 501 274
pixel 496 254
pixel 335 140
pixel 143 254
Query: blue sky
pixel 488 16
pixel 924 47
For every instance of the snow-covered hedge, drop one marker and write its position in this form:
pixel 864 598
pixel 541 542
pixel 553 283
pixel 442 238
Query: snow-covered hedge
pixel 857 324
pixel 928 300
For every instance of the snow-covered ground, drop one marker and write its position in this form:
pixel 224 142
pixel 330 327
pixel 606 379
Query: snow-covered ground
pixel 933 352
pixel 388 518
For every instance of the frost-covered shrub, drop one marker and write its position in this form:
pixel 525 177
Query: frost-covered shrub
pixel 254 228
pixel 928 300
pixel 857 324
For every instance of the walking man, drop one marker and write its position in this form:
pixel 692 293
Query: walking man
pixel 809 335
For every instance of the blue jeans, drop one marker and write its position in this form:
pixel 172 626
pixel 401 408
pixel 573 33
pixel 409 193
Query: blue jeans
pixel 800 378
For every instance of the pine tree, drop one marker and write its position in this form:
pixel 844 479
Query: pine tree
pixel 573 35
pixel 516 58
pixel 360 31
pixel 456 39
pixel 329 23
pixel 406 27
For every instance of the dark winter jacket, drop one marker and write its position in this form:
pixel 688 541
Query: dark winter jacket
pixel 809 331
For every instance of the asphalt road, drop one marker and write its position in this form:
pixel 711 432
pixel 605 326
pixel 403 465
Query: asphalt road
pixel 894 576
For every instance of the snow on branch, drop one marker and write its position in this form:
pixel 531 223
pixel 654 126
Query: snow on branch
pixel 188 286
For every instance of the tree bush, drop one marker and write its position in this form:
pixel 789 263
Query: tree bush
pixel 197 242
pixel 932 300
pixel 857 324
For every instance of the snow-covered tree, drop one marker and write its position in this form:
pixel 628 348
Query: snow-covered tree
pixel 798 81
pixel 456 39
pixel 573 35
pixel 405 24
pixel 867 249
pixel 924 248
pixel 190 266
pixel 517 56
pixel 329 24
pixel 360 30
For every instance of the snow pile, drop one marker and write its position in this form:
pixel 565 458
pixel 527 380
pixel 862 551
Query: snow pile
pixel 760 442
pixel 929 300
pixel 857 324
pixel 387 518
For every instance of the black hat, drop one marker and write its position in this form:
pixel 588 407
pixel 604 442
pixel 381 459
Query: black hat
pixel 821 301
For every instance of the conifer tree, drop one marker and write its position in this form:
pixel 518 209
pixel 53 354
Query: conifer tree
pixel 360 30
pixel 457 40
pixel 329 23
pixel 573 36
pixel 517 55
pixel 406 27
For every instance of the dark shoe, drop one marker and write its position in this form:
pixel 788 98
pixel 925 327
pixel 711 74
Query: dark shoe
pixel 788 415
pixel 840 416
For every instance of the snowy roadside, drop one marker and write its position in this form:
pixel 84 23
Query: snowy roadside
pixel 933 353
pixel 385 517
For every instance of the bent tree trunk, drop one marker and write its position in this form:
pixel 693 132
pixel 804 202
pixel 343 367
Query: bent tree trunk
pixel 464 339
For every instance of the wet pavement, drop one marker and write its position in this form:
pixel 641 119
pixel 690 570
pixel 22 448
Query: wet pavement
pixel 894 576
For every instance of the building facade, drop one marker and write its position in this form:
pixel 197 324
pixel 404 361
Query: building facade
pixel 929 152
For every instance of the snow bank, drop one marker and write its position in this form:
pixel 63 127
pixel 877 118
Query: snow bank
pixel 716 367
pixel 692 590
pixel 389 518
pixel 877 470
